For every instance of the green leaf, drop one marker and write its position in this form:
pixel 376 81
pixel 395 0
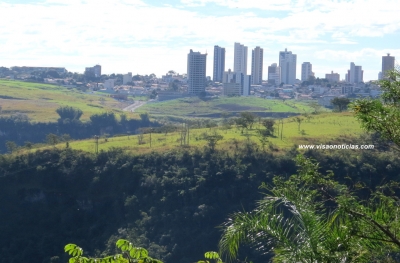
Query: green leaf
pixel 122 242
pixel 73 250
pixel 138 253
pixel 211 255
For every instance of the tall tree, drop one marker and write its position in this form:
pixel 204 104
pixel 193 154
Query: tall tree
pixel 382 115
pixel 340 104
pixel 312 218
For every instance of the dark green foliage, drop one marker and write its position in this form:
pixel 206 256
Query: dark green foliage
pixel 70 113
pixel 18 129
pixel 309 217
pixel 340 104
pixel 269 126
pixel 382 116
pixel 11 146
pixel 52 139
pixel 249 118
pixel 170 203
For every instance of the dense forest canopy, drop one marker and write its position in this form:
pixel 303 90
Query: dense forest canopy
pixel 169 203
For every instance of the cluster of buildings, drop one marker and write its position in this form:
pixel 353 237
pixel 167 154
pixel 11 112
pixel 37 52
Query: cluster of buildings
pixel 280 82
pixel 237 82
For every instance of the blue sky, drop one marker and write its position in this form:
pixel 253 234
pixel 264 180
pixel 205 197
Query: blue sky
pixel 148 36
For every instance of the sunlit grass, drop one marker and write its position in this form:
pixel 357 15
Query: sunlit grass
pixel 318 129
pixel 196 106
pixel 40 101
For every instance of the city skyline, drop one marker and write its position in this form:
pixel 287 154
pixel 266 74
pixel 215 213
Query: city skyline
pixel 150 37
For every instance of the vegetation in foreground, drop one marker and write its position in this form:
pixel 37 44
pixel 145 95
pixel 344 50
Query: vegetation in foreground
pixel 168 202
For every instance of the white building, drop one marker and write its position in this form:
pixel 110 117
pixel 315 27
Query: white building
pixel 287 63
pixel 274 74
pixel 257 66
pixel 334 77
pixel 355 74
pixel 196 72
pixel 347 89
pixel 306 71
pixel 240 59
pixel 127 78
pixel 219 63
pixel 109 83
pixel 235 83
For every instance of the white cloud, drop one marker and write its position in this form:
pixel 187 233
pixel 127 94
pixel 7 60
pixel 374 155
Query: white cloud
pixel 133 35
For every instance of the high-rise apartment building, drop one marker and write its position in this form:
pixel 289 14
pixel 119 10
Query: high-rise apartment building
pixel 96 70
pixel 240 58
pixel 196 72
pixel 355 74
pixel 219 63
pixel 274 74
pixel 287 63
pixel 127 78
pixel 257 55
pixel 306 71
pixel 334 77
pixel 387 64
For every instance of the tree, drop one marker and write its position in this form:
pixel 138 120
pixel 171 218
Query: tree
pixel 174 85
pixel 312 218
pixel 299 120
pixel 212 140
pixel 153 94
pixel 11 146
pixel 129 254
pixel 240 122
pixel 67 112
pixel 263 137
pixel 382 115
pixel 316 106
pixel 52 139
pixel 269 126
pixel 340 104
pixel 249 118
pixel 145 118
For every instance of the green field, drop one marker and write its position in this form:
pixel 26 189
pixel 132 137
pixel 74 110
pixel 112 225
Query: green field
pixel 195 107
pixel 320 128
pixel 39 101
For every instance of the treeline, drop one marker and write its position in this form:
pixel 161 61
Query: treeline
pixel 18 128
pixel 170 203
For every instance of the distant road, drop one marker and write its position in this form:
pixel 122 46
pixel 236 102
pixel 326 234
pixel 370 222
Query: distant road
pixel 134 106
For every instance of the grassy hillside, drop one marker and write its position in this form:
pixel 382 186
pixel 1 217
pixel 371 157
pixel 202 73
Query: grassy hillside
pixel 39 101
pixel 318 129
pixel 196 107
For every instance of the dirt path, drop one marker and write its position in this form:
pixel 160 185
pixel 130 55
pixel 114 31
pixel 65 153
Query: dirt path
pixel 134 106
